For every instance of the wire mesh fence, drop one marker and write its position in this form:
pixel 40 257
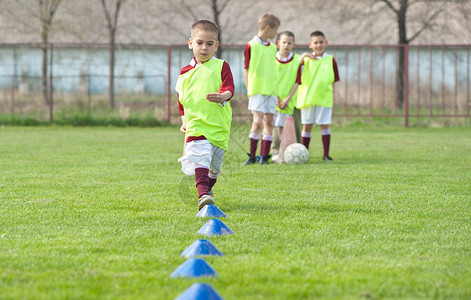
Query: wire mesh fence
pixel 66 80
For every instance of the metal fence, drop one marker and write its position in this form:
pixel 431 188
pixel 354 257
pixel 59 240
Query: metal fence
pixel 436 81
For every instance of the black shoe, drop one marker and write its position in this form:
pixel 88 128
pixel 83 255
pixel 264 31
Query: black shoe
pixel 251 160
pixel 264 159
pixel 327 158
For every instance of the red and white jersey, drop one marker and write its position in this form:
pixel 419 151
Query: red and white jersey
pixel 247 51
pixel 226 76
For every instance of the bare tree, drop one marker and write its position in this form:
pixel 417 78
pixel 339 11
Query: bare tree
pixel 112 23
pixel 400 9
pixel 217 8
pixel 29 16
pixel 47 10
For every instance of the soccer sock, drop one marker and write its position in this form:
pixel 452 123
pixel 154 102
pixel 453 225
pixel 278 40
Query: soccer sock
pixel 254 137
pixel 326 141
pixel 305 138
pixel 202 181
pixel 266 144
pixel 212 179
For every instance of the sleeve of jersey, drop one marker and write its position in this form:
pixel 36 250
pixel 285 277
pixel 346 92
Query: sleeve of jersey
pixel 180 106
pixel 227 80
pixel 336 71
pixel 181 109
pixel 300 71
pixel 246 56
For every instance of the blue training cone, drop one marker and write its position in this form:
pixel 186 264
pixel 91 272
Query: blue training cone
pixel 199 291
pixel 211 211
pixel 194 267
pixel 215 227
pixel 199 248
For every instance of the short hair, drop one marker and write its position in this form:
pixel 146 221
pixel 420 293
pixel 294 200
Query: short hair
pixel 204 25
pixel 287 33
pixel 268 19
pixel 317 33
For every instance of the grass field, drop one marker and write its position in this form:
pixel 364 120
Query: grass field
pixel 104 213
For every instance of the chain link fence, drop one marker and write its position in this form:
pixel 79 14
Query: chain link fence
pixel 437 81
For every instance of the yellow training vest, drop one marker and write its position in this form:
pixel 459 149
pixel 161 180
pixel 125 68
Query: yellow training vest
pixel 287 73
pixel 203 117
pixel 317 82
pixel 261 78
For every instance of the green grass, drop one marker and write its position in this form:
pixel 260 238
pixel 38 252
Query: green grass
pixel 104 213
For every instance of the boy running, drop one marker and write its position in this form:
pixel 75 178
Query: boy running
pixel 204 89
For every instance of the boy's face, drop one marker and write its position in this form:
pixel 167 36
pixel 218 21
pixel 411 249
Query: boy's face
pixel 317 45
pixel 285 44
pixel 203 43
pixel 271 31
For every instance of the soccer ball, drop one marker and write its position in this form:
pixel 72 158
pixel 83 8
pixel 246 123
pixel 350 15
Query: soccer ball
pixel 296 154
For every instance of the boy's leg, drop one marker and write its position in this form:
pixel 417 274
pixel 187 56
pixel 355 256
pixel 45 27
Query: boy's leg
pixel 307 118
pixel 267 138
pixel 275 146
pixel 306 135
pixel 278 120
pixel 325 130
pixel 324 119
pixel 254 136
pixel 297 124
pixel 215 167
pixel 202 181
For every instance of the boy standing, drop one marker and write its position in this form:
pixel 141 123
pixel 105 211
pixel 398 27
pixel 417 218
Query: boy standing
pixel 287 64
pixel 204 89
pixel 260 80
pixel 315 94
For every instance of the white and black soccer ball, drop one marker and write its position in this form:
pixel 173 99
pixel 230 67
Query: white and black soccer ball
pixel 296 154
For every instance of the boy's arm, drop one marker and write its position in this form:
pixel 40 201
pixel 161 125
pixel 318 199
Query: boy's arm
pixel 246 64
pixel 182 115
pixel 219 97
pixel 306 54
pixel 183 127
pixel 246 76
pixel 285 102
pixel 336 71
pixel 227 87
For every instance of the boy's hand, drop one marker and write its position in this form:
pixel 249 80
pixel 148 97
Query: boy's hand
pixel 284 103
pixel 307 54
pixel 183 127
pixel 219 97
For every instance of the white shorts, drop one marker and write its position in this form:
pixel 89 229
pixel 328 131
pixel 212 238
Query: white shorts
pixel 263 103
pixel 316 114
pixel 201 153
pixel 279 119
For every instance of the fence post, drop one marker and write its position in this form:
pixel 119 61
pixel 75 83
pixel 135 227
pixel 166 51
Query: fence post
pixel 169 81
pixel 51 99
pixel 13 84
pixel 406 85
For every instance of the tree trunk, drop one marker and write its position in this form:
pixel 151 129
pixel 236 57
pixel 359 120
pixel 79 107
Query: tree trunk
pixel 401 21
pixel 214 8
pixel 44 48
pixel 112 63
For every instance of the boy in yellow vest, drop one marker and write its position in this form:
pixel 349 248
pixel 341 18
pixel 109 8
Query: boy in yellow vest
pixel 260 80
pixel 287 65
pixel 315 92
pixel 204 89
